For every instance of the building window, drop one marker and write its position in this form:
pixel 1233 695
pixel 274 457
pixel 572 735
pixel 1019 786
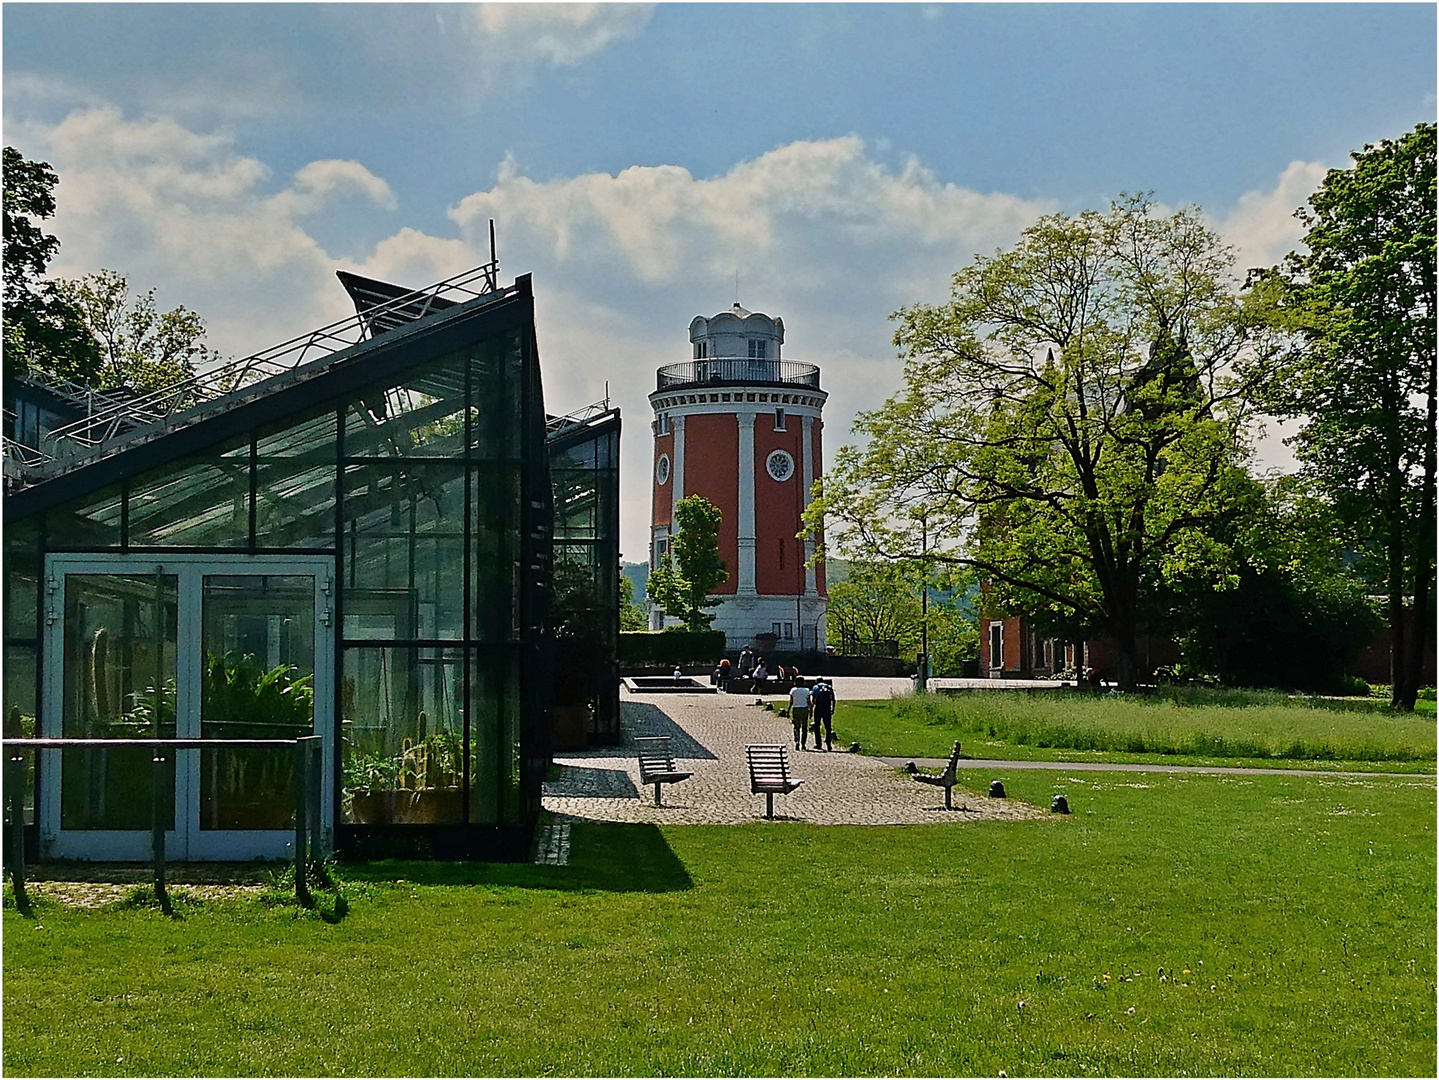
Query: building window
pixel 779 465
pixel 996 645
pixel 663 424
pixel 779 419
pixel 789 631
pixel 759 350
pixel 774 629
pixel 662 470
pixel 702 349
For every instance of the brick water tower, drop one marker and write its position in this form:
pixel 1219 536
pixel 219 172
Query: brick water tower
pixel 742 426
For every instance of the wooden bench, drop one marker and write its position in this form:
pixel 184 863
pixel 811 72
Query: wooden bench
pixel 657 763
pixel 769 774
pixel 945 779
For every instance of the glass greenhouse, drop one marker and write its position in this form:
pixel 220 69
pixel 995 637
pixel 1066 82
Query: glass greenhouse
pixel 356 545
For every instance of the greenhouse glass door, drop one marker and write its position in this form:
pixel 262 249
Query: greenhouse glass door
pixel 184 646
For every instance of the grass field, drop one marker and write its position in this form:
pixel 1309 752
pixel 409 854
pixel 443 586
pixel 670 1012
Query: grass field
pixel 1174 925
pixel 1260 729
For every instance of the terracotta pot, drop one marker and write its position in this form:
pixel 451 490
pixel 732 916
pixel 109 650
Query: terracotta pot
pixel 438 806
pixel 382 807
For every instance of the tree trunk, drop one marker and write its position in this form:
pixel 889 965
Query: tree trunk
pixel 1394 545
pixel 1418 634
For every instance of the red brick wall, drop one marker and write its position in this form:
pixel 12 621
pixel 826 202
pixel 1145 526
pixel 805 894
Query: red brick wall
pixel 712 470
pixel 777 508
pixel 660 497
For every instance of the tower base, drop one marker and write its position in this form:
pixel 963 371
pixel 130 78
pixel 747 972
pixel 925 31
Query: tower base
pixel 797 623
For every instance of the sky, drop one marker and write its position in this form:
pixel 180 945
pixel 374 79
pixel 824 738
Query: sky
pixel 842 159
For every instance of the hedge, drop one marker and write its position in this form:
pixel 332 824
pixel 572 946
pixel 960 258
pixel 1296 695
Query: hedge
pixel 672 647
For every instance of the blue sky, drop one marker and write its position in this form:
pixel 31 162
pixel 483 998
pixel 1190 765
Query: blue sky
pixel 844 159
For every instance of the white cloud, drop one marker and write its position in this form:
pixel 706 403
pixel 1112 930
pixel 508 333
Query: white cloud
pixel 183 212
pixel 1262 227
pixel 820 232
pixel 561 34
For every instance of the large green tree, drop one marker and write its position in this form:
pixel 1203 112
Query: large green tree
pixel 91 330
pixel 1071 424
pixel 139 346
pixel 882 602
pixel 1298 617
pixel 42 332
pixel 692 570
pixel 1361 300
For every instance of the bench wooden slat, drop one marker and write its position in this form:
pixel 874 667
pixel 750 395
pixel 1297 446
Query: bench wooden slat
pixel 657 763
pixel 769 773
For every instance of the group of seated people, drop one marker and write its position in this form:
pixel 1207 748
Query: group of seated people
pixel 759 677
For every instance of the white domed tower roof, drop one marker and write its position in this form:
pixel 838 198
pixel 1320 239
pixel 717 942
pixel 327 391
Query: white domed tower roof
pixel 731 333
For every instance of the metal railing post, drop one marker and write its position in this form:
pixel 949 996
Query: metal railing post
pixel 15 782
pixel 157 828
pixel 302 769
pixel 315 745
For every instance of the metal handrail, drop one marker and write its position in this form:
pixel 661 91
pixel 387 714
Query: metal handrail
pixel 225 379
pixel 26 457
pixel 555 424
pixel 308 754
pixel 729 370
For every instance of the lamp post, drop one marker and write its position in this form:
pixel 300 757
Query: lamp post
pixel 921 681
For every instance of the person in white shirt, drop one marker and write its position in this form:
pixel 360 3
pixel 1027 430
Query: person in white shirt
pixel 799 714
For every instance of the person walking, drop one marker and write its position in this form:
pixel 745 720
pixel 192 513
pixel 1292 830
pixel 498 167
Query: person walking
pixel 799 714
pixel 821 707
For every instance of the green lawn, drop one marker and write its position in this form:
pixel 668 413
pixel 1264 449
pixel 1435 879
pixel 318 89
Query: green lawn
pixel 1174 925
pixel 1229 729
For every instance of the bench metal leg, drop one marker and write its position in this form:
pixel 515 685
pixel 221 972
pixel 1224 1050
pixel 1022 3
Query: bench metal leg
pixel 948 790
pixel 657 795
pixel 769 805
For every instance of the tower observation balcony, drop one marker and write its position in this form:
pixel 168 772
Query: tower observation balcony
pixel 737 371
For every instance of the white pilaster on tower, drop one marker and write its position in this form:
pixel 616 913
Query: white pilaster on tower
pixel 807 456
pixel 745 585
pixel 677 470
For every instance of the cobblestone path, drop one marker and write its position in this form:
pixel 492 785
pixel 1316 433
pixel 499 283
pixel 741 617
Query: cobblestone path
pixel 708 735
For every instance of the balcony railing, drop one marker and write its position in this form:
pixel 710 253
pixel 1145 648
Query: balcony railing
pixel 726 371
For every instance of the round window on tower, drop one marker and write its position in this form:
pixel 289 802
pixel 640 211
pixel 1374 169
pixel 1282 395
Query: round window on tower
pixel 779 465
pixel 662 469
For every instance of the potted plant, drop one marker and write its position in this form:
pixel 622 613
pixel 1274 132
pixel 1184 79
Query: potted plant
pixel 370 783
pixel 433 769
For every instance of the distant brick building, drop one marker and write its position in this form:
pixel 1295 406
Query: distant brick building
pixel 1010 648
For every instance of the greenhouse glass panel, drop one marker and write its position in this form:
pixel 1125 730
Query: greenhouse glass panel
pixel 495 735
pixel 405 537
pixel 403 759
pixel 496 556
pixel 119 682
pixel 258 642
pixel 497 389
pixel 17 700
pixel 92 521
pixel 421 416
pixel 195 502
pixel 22 579
pixel 295 485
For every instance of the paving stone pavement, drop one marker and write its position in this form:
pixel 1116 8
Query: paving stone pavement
pixel 708 736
